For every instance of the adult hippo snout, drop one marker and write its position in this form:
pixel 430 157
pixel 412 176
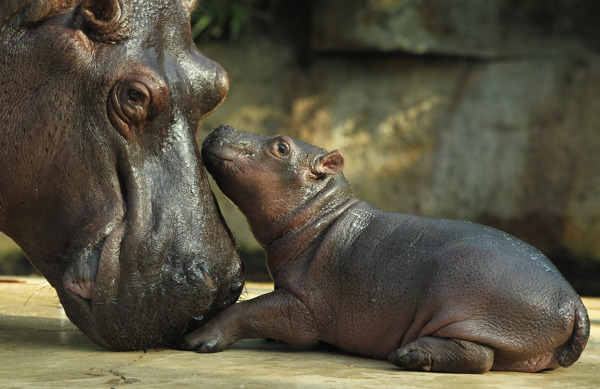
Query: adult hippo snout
pixel 102 184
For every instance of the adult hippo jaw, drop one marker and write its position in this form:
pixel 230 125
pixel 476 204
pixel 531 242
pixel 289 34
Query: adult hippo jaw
pixel 103 186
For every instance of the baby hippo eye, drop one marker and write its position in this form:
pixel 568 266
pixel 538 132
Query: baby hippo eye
pixel 283 148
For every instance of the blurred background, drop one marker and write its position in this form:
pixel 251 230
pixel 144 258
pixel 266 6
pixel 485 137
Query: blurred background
pixel 486 111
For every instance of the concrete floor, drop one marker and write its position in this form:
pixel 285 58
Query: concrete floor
pixel 40 348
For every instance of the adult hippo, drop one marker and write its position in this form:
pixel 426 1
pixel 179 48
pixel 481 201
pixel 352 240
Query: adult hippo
pixel 101 183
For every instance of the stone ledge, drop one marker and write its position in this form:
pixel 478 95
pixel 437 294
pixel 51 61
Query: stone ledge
pixel 39 347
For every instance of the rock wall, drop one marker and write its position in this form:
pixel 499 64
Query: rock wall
pixel 480 110
pixel 490 28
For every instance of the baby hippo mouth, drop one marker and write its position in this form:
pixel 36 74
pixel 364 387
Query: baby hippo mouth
pixel 218 149
pixel 80 274
pixel 223 153
pixel 223 157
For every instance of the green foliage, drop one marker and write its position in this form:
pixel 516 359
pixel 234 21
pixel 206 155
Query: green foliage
pixel 215 19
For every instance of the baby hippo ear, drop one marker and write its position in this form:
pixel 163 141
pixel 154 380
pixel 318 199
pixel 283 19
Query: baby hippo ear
pixel 331 163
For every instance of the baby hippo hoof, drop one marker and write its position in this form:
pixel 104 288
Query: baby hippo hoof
pixel 210 347
pixel 202 343
pixel 444 355
pixel 410 360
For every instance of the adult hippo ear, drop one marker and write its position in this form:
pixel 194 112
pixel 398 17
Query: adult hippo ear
pixel 102 183
pixel 328 164
pixel 105 19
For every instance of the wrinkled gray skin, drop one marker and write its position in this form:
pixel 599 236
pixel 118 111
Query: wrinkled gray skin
pixel 102 184
pixel 429 294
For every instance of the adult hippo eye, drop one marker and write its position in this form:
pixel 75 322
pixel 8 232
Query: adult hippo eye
pixel 135 96
pixel 136 100
pixel 136 92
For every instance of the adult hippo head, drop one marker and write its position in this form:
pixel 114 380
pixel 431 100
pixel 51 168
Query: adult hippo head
pixel 101 182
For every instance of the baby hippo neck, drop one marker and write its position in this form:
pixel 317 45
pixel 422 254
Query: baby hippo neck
pixel 300 213
pixel 316 217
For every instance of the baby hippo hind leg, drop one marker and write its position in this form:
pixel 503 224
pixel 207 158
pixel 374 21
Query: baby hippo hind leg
pixel 448 355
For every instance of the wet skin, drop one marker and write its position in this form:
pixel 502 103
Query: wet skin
pixel 428 294
pixel 102 184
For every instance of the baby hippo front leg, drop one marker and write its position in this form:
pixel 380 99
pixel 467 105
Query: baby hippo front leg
pixel 278 315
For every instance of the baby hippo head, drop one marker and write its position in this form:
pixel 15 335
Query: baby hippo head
pixel 274 181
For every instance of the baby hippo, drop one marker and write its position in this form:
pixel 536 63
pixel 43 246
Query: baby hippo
pixel 428 294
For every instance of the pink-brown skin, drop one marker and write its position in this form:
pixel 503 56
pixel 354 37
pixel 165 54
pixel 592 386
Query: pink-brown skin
pixel 102 183
pixel 429 294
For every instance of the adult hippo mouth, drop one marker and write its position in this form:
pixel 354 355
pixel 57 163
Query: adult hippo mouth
pixel 80 293
pixel 103 185
pixel 80 276
pixel 149 274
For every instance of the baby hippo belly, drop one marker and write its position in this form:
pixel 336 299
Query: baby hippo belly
pixel 369 327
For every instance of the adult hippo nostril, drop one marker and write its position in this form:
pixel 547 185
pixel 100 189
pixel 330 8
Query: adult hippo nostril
pixel 103 186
